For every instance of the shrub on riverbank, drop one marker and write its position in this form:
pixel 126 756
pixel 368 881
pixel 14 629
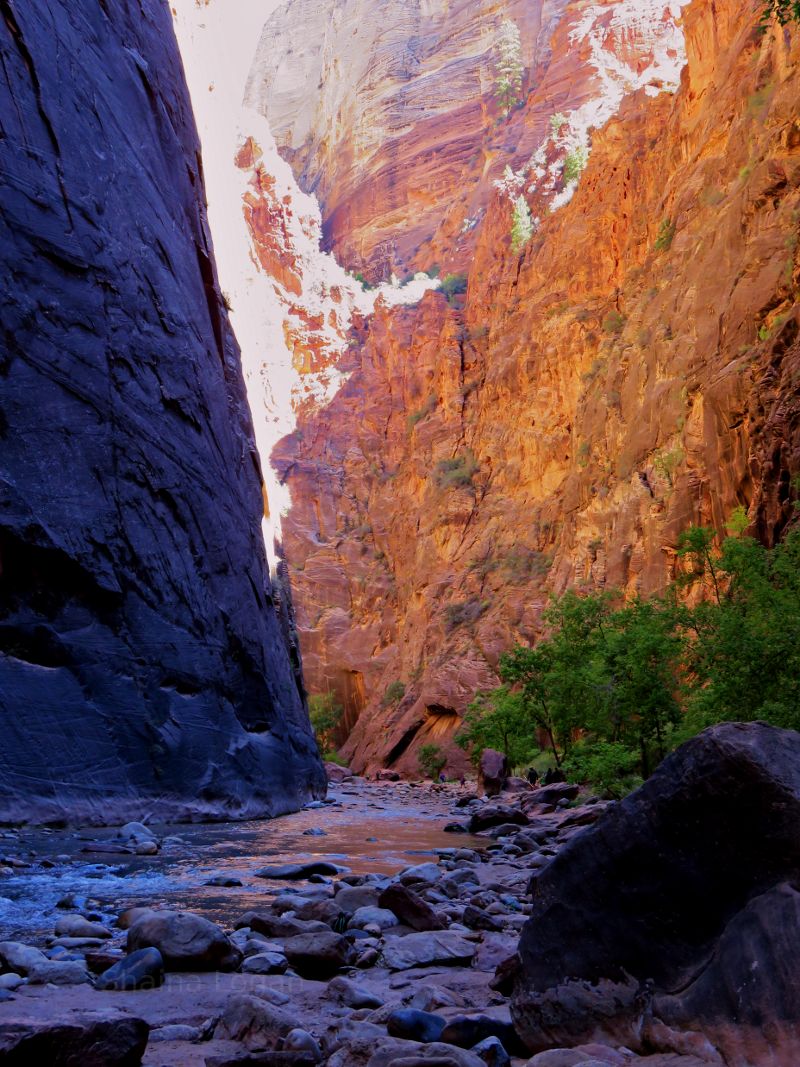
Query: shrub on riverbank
pixel 613 686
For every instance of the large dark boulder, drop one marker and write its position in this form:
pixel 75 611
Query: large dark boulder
pixel 677 911
pixel 186 942
pixel 142 655
pixel 492 772
pixel 92 1040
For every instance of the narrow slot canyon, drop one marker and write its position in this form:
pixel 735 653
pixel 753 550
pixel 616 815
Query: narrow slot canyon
pixel 399 533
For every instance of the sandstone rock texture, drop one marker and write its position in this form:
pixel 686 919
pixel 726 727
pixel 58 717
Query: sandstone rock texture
pixel 403 136
pixel 634 370
pixel 142 658
pixel 677 912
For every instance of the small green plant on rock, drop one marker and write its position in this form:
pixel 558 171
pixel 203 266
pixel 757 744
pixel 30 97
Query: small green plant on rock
pixel 456 473
pixel 557 121
pixel 431 760
pixel 509 67
pixel 395 691
pixel 613 322
pixel 521 225
pixel 453 285
pixel 575 164
pixel 665 236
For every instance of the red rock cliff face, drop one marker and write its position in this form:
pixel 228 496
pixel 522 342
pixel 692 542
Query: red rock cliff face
pixel 388 111
pixel 634 370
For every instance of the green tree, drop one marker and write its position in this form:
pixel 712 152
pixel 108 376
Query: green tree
pixel 509 67
pixel 431 760
pixel 743 645
pixel 326 715
pixel 499 719
pixel 521 225
pixel 575 164
pixel 783 11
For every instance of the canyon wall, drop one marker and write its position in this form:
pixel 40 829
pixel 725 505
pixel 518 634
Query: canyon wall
pixel 633 370
pixel 143 667
pixel 388 112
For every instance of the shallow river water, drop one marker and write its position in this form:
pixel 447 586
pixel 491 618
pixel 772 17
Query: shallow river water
pixel 381 828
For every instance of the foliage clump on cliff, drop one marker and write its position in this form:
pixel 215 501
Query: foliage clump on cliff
pixel 614 687
pixel 783 11
pixel 456 473
pixel 509 67
pixel 325 714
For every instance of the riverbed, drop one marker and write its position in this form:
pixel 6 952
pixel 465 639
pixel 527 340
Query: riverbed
pixel 365 827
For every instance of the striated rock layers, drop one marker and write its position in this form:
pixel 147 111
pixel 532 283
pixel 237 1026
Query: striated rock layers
pixel 143 665
pixel 635 369
pixel 673 923
pixel 388 112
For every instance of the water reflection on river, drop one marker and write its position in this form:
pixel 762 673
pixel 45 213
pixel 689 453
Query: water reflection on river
pixel 368 828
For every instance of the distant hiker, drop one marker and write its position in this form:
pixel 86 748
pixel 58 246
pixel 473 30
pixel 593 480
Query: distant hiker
pixel 462 781
pixel 532 775
pixel 442 777
pixel 553 775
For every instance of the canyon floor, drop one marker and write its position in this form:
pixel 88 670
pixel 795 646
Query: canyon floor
pixel 466 892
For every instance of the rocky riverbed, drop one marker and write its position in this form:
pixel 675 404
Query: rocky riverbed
pixel 361 922
pixel 383 929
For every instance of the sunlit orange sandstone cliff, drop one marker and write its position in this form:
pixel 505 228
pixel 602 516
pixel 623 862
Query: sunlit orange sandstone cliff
pixel 635 369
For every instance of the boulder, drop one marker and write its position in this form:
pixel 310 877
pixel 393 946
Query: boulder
pixel 20 958
pixel 266 963
pixel 255 1022
pixel 492 772
pixel 77 926
pixel 495 815
pixel 414 1025
pixel 441 948
pixel 335 773
pixel 410 908
pixel 58 972
pixel 466 1031
pixel 380 917
pixel 295 872
pixel 492 1051
pixel 143 969
pixel 350 898
pixel 320 955
pixel 344 991
pixel 676 911
pixel 98 1040
pixel 186 942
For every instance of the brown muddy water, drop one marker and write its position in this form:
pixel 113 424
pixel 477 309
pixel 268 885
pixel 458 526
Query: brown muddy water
pixel 368 827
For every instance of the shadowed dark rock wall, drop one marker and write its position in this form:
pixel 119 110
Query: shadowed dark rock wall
pixel 142 657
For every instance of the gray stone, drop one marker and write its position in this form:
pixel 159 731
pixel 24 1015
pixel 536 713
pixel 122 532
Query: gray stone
pixel 143 969
pixel 258 1024
pixel 433 948
pixel 186 942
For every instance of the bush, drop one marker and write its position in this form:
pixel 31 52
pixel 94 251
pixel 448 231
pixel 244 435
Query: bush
pixel 614 322
pixel 456 473
pixel 325 714
pixel 395 691
pixel 498 719
pixel 575 164
pixel 783 11
pixel 431 760
pixel 665 236
pixel 453 285
pixel 607 766
pixel 417 416
pixel 557 121
pixel 615 687
pixel 521 225
pixel 465 612
pixel 508 62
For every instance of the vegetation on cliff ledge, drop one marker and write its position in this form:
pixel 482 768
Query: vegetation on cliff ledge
pixel 614 687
